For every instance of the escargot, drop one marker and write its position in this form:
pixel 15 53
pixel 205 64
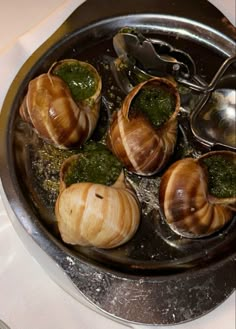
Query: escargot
pixel 95 214
pixel 143 132
pixel 63 104
pixel 198 196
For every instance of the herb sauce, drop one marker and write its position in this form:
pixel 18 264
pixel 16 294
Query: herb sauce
pixel 157 103
pixel 95 164
pixel 46 162
pixel 222 176
pixel 81 81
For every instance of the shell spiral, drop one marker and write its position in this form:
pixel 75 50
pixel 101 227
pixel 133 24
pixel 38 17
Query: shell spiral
pixel 53 113
pixel 141 147
pixel 97 215
pixel 186 203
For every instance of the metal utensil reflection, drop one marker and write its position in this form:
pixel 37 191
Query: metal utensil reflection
pixel 213 122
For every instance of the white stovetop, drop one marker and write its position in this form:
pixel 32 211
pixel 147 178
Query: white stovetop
pixel 29 299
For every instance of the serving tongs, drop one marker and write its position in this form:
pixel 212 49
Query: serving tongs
pixel 146 57
pixel 153 56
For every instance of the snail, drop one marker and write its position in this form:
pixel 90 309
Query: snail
pixel 94 214
pixel 142 134
pixel 63 104
pixel 198 196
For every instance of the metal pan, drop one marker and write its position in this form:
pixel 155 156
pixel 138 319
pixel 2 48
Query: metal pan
pixel 158 277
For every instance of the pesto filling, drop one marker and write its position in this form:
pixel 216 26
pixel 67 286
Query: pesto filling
pixel 81 81
pixel 156 103
pixel 95 164
pixel 221 176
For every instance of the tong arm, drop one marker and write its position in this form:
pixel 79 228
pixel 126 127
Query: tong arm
pixel 144 52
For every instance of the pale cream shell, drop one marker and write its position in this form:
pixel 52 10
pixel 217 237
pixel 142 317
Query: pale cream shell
pixel 97 215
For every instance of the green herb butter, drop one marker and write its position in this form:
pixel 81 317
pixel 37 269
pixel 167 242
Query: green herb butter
pixel 46 161
pixel 80 79
pixel 95 164
pixel 157 103
pixel 222 176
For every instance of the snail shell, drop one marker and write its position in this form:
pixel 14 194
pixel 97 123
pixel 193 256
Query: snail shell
pixel 97 215
pixel 143 148
pixel 50 108
pixel 185 200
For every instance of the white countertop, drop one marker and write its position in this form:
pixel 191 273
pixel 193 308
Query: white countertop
pixel 29 299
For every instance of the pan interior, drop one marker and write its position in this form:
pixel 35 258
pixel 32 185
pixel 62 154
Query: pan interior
pixel 154 248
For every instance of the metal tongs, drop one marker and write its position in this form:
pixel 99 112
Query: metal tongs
pixel 148 57
pixel 154 57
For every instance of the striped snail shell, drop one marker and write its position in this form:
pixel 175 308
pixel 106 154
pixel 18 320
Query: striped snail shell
pixel 186 195
pixel 141 146
pixel 54 113
pixel 90 214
